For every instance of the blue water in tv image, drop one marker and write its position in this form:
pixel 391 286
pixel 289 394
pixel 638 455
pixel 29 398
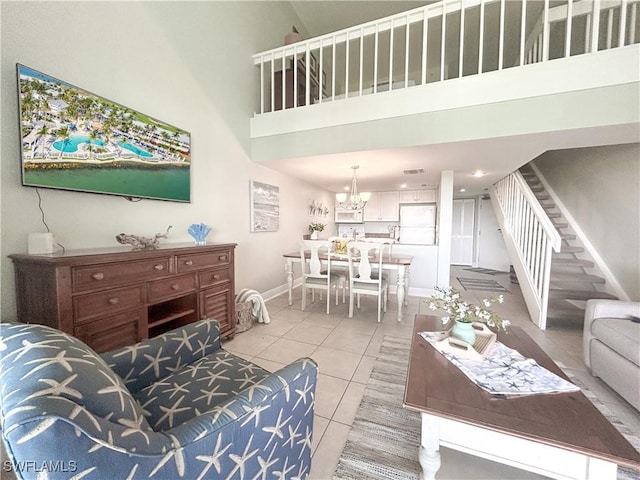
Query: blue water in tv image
pixel 75 140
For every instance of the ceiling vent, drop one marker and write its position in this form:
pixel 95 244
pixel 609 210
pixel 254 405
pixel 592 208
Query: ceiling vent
pixel 415 171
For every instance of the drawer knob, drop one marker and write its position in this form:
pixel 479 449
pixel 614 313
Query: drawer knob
pixel 159 267
pixel 188 262
pixel 114 301
pixel 223 257
pixel 98 276
pixel 175 286
pixel 216 276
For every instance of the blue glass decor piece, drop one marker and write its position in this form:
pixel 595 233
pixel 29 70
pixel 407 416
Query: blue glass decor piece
pixel 199 233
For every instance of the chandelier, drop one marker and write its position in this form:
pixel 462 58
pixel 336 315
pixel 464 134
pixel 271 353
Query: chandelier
pixel 355 200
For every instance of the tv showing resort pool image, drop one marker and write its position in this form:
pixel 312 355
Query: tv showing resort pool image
pixel 72 139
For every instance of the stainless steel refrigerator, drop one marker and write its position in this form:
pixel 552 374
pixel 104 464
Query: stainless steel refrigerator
pixel 418 223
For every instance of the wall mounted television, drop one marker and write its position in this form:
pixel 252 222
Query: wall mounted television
pixel 72 139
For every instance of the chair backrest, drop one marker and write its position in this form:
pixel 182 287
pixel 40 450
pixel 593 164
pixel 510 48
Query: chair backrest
pixel 363 257
pixel 313 266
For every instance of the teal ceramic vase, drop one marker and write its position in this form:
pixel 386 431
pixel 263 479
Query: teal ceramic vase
pixel 464 331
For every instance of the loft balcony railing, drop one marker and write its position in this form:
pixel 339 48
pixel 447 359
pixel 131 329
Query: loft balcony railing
pixel 441 41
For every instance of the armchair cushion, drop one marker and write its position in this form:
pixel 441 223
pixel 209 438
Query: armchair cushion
pixel 187 392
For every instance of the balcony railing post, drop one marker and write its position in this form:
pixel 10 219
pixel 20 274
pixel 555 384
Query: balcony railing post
pixel 595 26
pixel 545 32
pixel 623 23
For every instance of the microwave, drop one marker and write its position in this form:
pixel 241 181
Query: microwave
pixel 347 215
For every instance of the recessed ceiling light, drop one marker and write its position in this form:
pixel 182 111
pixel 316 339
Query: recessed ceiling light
pixel 479 173
pixel 462 190
pixel 404 185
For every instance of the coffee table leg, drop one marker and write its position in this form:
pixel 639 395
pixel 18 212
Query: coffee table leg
pixel 429 453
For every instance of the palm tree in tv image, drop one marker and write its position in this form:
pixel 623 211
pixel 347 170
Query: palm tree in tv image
pixel 94 135
pixel 43 132
pixel 63 135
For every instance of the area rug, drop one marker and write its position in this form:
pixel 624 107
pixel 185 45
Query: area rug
pixel 481 284
pixel 384 438
pixel 485 271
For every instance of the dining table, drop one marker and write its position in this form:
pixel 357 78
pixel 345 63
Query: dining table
pixel 390 261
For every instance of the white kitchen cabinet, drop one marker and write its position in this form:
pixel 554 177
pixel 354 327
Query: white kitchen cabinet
pixel 382 207
pixel 418 196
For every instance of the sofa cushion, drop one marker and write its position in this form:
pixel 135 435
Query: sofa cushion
pixel 197 388
pixel 621 335
pixel 56 365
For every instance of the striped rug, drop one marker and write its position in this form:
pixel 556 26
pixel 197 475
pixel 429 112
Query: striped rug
pixel 384 438
pixel 482 285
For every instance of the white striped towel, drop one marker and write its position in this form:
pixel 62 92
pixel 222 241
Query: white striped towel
pixel 259 309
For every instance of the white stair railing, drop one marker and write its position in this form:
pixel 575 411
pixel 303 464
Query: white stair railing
pixel 440 41
pixel 530 238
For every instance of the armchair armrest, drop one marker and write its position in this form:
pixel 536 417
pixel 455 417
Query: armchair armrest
pixel 145 362
pixel 599 308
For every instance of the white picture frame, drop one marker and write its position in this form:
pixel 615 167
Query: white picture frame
pixel 265 207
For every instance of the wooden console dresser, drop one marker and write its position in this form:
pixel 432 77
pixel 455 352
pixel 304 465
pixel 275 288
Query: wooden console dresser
pixel 113 297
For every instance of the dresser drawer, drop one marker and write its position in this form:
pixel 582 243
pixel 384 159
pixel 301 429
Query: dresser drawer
pixel 93 305
pixel 189 263
pixel 208 278
pixel 170 287
pixel 114 331
pixel 107 274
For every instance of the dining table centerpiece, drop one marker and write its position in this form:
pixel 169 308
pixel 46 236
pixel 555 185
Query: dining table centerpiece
pixel 465 314
pixel 314 228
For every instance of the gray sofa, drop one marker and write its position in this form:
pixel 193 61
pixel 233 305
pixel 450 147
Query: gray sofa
pixel 611 346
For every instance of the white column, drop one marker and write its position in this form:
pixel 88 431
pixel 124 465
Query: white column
pixel 445 223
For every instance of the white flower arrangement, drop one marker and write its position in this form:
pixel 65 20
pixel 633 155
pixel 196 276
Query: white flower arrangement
pixel 449 300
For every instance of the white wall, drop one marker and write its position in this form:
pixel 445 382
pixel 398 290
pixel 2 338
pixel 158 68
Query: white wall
pixel 600 189
pixel 185 63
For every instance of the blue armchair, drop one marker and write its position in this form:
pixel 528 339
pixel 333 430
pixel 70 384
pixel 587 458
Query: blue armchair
pixel 175 406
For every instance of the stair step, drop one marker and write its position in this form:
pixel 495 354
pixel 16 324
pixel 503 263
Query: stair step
pixel 571 262
pixel 575 278
pixel 567 236
pixel 548 206
pixel 542 196
pixel 554 215
pixel 560 224
pixel 571 249
pixel 561 310
pixel 579 294
pixel 536 188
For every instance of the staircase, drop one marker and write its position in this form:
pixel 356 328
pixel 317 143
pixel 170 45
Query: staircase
pixel 574 278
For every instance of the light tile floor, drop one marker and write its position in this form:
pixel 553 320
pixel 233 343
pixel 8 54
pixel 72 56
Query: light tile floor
pixel 345 350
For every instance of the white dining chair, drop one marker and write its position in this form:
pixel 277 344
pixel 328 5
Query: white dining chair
pixel 340 271
pixel 364 257
pixel 316 272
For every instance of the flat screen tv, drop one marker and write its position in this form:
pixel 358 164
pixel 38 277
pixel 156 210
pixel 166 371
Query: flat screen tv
pixel 72 139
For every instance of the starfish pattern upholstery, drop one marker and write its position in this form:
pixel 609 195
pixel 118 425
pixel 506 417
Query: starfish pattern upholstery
pixel 174 406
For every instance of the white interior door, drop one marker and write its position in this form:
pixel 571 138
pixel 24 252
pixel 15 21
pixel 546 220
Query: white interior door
pixel 462 231
pixel 492 252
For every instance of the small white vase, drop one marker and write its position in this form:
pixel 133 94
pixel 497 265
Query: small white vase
pixel 314 235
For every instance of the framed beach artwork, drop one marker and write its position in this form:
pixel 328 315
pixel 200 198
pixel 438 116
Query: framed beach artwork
pixel 265 207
